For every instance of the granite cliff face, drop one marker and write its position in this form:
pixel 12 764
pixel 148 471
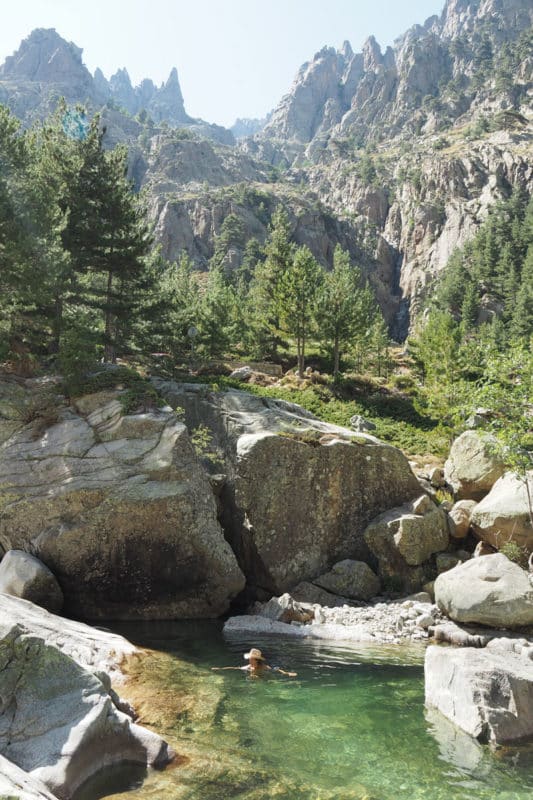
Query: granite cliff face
pixel 396 155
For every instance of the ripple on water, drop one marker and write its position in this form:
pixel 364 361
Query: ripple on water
pixel 352 725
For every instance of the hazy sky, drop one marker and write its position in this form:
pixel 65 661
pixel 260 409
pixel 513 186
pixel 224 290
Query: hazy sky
pixel 234 57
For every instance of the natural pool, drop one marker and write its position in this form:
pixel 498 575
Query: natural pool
pixel 352 725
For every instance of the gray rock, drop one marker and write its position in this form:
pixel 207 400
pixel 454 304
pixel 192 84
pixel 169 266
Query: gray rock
pixel 485 693
pixel 120 510
pixel 241 374
pixel 359 423
pixel 460 515
pixel 446 561
pixel 489 591
pixel 57 720
pixel 300 492
pixel 473 466
pixel 436 477
pixel 402 541
pixel 353 579
pixel 15 783
pixel 285 609
pixel 483 549
pixel 306 592
pixel 504 514
pixel 23 575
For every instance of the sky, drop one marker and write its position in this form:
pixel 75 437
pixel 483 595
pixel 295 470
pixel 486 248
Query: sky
pixel 235 58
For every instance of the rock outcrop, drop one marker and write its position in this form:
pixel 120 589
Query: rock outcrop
pixel 474 465
pixel 119 509
pixel 488 693
pixel 490 590
pixel 58 721
pixel 504 515
pixel 23 575
pixel 299 492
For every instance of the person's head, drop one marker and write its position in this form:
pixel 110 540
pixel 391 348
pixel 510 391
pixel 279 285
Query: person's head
pixel 255 657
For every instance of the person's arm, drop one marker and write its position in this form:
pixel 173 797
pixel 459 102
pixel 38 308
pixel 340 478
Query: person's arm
pixel 283 672
pixel 221 668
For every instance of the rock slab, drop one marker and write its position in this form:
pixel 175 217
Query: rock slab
pixel 58 721
pixel 486 693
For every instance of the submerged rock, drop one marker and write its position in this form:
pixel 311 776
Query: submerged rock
pixel 490 590
pixel 488 693
pixel 23 575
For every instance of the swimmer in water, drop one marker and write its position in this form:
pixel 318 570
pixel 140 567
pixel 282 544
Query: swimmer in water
pixel 257 665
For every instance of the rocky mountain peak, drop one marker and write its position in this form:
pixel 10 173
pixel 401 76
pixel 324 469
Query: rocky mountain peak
pixel 372 54
pixel 45 57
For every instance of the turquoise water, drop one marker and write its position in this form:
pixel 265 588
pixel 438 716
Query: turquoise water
pixel 352 725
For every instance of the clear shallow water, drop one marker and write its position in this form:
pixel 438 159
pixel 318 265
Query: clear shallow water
pixel 352 725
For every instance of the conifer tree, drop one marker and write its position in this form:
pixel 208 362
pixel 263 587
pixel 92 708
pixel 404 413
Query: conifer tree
pixel 297 294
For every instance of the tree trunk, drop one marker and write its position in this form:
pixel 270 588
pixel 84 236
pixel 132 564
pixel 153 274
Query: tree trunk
pixel 336 358
pixel 300 356
pixel 110 355
pixel 57 325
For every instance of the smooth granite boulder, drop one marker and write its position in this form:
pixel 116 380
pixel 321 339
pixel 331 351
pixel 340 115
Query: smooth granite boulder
pixel 299 492
pixel 474 465
pixel 489 590
pixel 15 784
pixel 23 575
pixel 119 508
pixel 353 579
pixel 58 721
pixel 504 514
pixel 486 692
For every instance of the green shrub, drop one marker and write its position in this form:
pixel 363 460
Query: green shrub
pixel 515 553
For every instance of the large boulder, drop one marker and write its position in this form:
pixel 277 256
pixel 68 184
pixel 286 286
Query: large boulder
pixel 404 538
pixel 15 783
pixel 23 575
pixel 473 466
pixel 299 492
pixel 504 514
pixel 120 510
pixel 490 590
pixel 488 693
pixel 58 721
pixel 353 579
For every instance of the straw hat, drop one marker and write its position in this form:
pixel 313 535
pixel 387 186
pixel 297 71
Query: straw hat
pixel 254 653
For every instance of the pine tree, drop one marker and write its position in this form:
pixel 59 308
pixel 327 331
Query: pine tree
pixel 344 307
pixel 263 306
pixel 108 239
pixel 297 294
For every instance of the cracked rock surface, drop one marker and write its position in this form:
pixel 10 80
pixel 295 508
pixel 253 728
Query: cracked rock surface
pixel 120 510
